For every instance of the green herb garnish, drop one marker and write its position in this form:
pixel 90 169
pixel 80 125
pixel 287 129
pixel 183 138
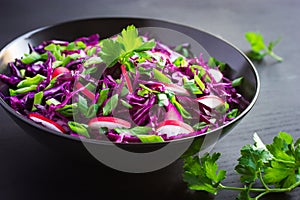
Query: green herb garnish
pixel 258 47
pixel 275 166
pixel 123 47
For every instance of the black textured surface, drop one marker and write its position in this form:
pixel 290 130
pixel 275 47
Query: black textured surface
pixel 30 171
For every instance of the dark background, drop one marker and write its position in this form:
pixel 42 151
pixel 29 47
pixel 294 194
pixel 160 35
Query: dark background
pixel 29 171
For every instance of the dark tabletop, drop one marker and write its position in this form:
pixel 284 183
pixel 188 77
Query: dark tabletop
pixel 30 171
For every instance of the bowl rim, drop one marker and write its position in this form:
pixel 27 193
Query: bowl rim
pixel 105 142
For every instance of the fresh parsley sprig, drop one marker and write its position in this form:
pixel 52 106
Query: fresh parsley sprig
pixel 276 166
pixel 121 48
pixel 259 49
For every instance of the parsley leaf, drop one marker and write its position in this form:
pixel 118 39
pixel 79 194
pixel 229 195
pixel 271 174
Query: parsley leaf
pixel 283 170
pixel 110 52
pixel 258 47
pixel 123 47
pixel 250 163
pixel 202 173
pixel 276 166
pixel 129 39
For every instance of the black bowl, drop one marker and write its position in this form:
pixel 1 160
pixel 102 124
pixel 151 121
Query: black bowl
pixel 119 156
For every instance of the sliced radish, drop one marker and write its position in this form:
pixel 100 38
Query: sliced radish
pixel 46 122
pixel 85 91
pixel 174 127
pixel 127 79
pixel 211 101
pixel 216 74
pixel 177 89
pixel 109 122
pixel 59 70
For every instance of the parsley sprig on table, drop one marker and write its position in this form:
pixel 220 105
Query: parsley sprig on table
pixel 275 166
pixel 259 49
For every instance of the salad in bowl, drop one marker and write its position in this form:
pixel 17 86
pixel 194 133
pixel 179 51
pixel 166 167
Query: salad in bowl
pixel 127 88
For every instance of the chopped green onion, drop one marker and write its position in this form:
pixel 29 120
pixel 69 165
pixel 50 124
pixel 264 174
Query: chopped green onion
pixel 34 56
pixel 80 45
pixel 236 82
pixel 213 62
pixel 180 61
pixel 52 101
pixel 92 111
pixel 222 108
pixel 51 84
pixel 82 105
pixel 199 82
pixel 142 92
pixel 38 97
pixel 190 85
pixel 57 63
pixel 233 113
pixel 22 90
pixel 111 104
pixel 102 96
pixel 31 81
pixel 201 70
pixel 138 130
pixel 183 112
pixel 68 110
pixel 127 105
pixel 200 125
pixel 124 91
pixel 150 138
pixel 148 89
pixel 67 59
pixel 23 71
pixel 160 76
pixel 79 128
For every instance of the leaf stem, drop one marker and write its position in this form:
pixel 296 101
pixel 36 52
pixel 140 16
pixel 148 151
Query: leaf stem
pixel 276 57
pixel 263 191
pixel 262 180
pixel 242 188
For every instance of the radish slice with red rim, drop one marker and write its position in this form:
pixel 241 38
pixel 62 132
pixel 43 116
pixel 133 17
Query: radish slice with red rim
pixel 211 101
pixel 109 122
pixel 173 127
pixel 46 122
